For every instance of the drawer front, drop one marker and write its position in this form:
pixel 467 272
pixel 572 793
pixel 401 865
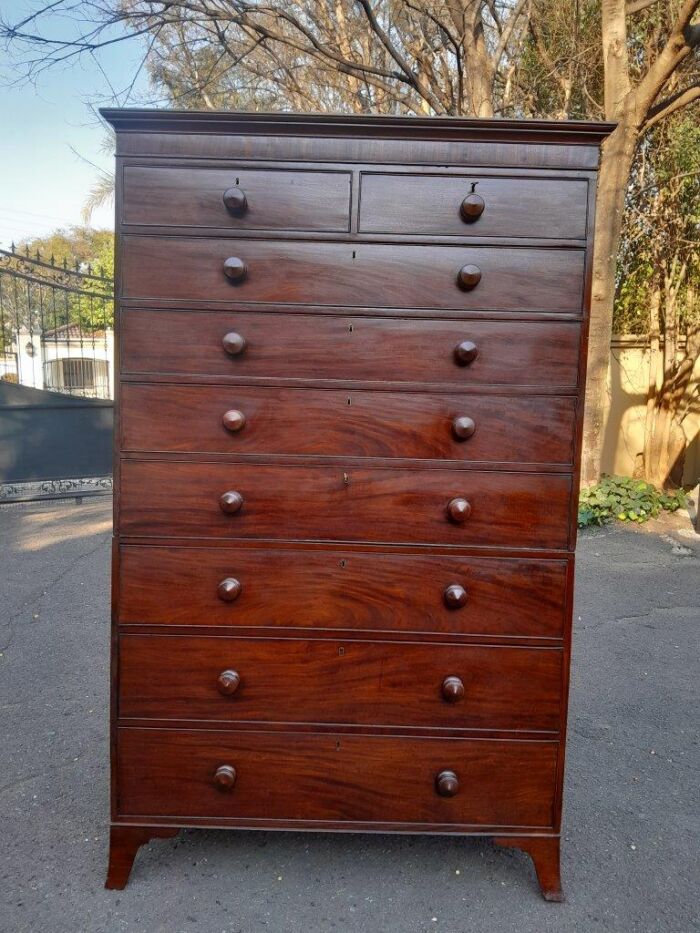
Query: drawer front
pixel 328 504
pixel 346 349
pixel 345 779
pixel 331 682
pixel 511 207
pixel 256 420
pixel 335 589
pixel 352 274
pixel 263 199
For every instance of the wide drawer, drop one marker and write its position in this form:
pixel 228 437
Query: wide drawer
pixel 367 275
pixel 165 498
pixel 263 199
pixel 511 207
pixel 330 682
pixel 349 349
pixel 343 779
pixel 335 589
pixel 326 422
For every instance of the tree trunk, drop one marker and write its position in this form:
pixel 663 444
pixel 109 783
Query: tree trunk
pixel 615 166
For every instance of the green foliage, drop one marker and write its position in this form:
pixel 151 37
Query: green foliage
pixel 659 245
pixel 559 72
pixel 624 499
pixel 89 299
pixel 84 245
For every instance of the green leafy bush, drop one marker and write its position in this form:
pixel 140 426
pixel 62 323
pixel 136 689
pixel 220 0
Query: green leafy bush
pixel 625 499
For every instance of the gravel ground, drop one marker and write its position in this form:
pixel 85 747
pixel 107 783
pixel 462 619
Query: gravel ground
pixel 630 854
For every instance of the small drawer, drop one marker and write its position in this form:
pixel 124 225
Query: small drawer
pixel 456 507
pixel 331 682
pixel 367 275
pixel 328 422
pixel 473 206
pixel 236 198
pixel 312 779
pixel 333 589
pixel 342 349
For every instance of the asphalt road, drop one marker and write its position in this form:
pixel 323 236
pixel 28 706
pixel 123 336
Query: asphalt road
pixel 630 854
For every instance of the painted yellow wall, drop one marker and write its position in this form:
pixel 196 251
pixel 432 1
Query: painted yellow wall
pixel 624 436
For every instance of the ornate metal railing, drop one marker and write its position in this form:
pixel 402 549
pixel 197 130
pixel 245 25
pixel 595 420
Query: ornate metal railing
pixel 56 325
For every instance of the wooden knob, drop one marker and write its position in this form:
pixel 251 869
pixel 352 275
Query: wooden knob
pixel 463 427
pixel 472 207
pixel 447 783
pixel 458 510
pixel 469 277
pixel 234 344
pixel 225 777
pixel 455 596
pixel 236 201
pixel 229 589
pixel 466 352
pixel 452 689
pixel 231 502
pixel 234 420
pixel 235 269
pixel 228 682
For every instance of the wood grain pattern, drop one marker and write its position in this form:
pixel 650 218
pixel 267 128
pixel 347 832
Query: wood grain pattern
pixel 344 779
pixel 325 503
pixel 399 330
pixel 418 153
pixel 352 274
pixel 335 589
pixel 544 852
pixel 319 126
pixel 355 424
pixel 276 199
pixel 331 682
pixel 325 347
pixel 124 843
pixel 513 207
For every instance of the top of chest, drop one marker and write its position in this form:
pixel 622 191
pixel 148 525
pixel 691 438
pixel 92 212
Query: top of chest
pixel 410 141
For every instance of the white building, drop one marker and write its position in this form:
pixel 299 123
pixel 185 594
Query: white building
pixel 66 359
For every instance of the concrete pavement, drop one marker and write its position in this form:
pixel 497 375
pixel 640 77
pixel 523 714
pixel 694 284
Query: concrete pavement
pixel 630 854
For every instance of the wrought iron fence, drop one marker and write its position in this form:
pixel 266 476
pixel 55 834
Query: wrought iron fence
pixel 56 325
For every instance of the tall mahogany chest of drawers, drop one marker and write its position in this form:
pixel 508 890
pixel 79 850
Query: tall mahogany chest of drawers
pixel 351 355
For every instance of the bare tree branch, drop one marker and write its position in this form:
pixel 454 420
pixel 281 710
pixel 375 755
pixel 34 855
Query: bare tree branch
pixel 419 85
pixel 671 104
pixel 682 39
pixel 636 6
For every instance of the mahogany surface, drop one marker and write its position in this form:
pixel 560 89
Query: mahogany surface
pixel 347 349
pixel 297 680
pixel 512 207
pixel 349 406
pixel 161 498
pixel 527 429
pixel 337 589
pixel 275 199
pixel 370 275
pixel 296 777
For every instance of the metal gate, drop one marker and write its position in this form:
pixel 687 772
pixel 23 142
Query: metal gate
pixel 56 378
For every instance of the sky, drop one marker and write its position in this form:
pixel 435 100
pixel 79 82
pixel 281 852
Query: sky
pixel 48 130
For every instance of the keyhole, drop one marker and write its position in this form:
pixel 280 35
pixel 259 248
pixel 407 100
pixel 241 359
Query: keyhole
pixel 343 563
pixel 350 328
pixel 346 479
pixel 353 254
pixel 474 184
pixel 238 181
pixel 349 401
pixel 341 651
